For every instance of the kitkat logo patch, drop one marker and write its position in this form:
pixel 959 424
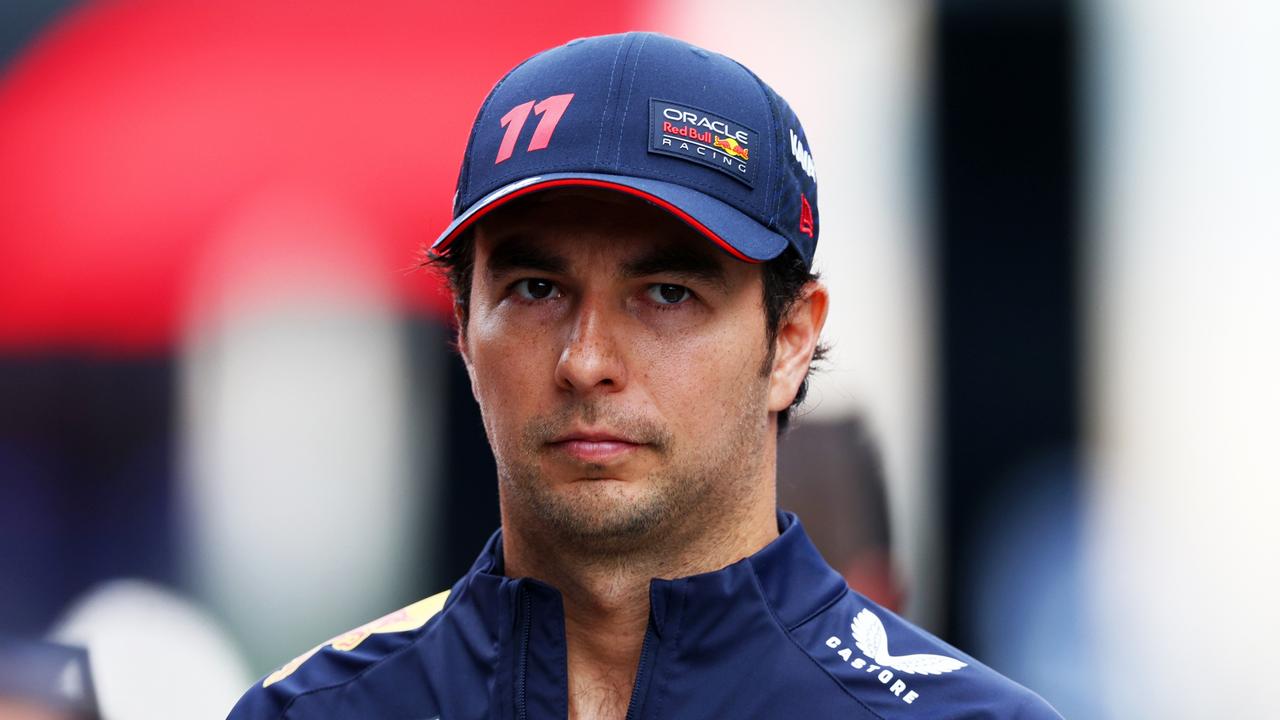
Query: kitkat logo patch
pixel 703 137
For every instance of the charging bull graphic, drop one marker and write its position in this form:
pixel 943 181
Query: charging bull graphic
pixel 730 146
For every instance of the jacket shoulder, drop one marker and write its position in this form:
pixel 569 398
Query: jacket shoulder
pixel 898 670
pixel 337 661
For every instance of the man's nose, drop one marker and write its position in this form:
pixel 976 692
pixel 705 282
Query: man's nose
pixel 591 358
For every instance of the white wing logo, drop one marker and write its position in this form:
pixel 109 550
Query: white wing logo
pixel 869 636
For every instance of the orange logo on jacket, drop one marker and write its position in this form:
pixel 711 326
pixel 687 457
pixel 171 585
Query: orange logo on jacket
pixel 402 620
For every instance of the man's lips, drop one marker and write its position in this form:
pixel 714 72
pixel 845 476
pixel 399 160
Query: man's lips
pixel 594 447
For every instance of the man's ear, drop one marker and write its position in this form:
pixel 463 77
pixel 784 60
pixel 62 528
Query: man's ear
pixel 798 334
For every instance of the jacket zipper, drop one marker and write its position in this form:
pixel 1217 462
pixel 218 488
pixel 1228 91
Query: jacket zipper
pixel 646 649
pixel 526 623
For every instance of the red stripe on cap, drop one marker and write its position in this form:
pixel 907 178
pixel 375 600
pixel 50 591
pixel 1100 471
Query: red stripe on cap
pixel 580 182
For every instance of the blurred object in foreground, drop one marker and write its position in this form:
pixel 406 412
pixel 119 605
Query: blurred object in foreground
pixel 830 474
pixel 155 654
pixel 299 493
pixel 1030 619
pixel 45 681
pixel 1007 153
pixel 1185 321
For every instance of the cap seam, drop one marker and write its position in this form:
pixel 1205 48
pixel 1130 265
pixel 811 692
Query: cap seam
pixel 626 107
pixel 609 100
pixel 772 186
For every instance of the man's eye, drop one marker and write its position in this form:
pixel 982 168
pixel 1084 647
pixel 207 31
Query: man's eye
pixel 535 289
pixel 668 294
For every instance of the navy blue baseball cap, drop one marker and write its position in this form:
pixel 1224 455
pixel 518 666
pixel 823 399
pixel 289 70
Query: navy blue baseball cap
pixel 691 131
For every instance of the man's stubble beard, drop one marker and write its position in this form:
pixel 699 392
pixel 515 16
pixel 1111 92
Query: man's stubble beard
pixel 694 490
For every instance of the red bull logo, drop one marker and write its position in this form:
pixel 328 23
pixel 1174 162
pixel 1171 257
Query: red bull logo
pixel 695 135
pixel 730 146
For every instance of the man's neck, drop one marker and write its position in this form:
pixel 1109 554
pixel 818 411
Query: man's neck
pixel 606 597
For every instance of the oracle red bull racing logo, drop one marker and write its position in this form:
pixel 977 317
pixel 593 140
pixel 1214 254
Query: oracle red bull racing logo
pixel 702 137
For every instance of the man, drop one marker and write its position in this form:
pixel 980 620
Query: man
pixel 634 228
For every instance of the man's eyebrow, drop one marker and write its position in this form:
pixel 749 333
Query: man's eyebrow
pixel 676 260
pixel 521 253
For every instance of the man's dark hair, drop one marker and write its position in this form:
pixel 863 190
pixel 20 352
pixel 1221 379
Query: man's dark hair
pixel 784 280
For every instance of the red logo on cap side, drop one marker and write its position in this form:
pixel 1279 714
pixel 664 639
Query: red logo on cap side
pixel 806 216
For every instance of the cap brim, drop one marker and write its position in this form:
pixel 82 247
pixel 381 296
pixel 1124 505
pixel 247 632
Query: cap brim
pixel 737 234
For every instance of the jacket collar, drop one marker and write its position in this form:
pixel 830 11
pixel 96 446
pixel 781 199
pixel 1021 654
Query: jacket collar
pixel 794 578
pixel 789 572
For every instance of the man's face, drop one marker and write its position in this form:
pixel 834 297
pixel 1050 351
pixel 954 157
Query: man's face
pixel 617 357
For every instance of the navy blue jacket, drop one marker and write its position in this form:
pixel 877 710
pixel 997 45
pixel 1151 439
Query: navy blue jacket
pixel 776 635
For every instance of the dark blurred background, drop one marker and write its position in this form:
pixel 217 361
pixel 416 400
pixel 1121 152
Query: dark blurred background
pixel 231 423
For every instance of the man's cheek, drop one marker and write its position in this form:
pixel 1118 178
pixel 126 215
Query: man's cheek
pixel 693 392
pixel 499 388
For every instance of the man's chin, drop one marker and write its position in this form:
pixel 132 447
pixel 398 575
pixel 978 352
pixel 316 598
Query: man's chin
pixel 602 511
